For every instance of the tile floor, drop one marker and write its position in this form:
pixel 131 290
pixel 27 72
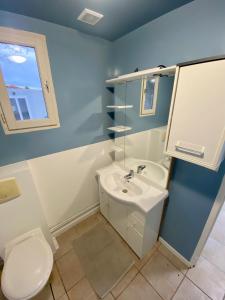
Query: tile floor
pixel 158 276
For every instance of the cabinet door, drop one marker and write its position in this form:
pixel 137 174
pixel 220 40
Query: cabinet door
pixel 118 217
pixel 197 117
pixel 104 203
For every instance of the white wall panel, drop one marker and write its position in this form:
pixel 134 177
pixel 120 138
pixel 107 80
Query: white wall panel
pixel 66 181
pixel 24 213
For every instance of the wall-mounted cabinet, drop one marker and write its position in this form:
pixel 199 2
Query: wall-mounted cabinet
pixel 196 131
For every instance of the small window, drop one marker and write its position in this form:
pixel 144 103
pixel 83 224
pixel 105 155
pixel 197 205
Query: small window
pixel 27 98
pixel 20 108
pixel 149 96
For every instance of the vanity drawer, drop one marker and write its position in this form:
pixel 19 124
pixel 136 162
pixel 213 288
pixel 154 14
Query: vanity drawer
pixel 137 223
pixel 135 240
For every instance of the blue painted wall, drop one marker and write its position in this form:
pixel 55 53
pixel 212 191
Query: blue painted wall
pixel 130 93
pixel 193 31
pixel 193 190
pixel 133 119
pixel 80 64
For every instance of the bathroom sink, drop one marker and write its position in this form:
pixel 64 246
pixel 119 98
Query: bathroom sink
pixel 117 184
pixel 141 193
pixel 153 171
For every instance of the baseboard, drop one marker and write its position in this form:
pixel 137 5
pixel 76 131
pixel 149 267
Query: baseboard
pixel 177 254
pixel 62 227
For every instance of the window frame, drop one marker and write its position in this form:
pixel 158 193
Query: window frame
pixel 148 112
pixel 38 42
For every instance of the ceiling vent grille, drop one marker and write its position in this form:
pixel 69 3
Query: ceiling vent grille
pixel 90 17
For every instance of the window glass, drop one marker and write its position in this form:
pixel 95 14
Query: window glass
pixel 22 80
pixel 15 109
pixel 149 93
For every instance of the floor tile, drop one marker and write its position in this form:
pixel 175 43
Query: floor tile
pixel 56 284
pixel 109 297
pixel 188 291
pixel 208 278
pixel 214 252
pixel 65 239
pixel 45 294
pixel 124 282
pixel 82 291
pixel 218 233
pixel 221 217
pixel 173 259
pixel 64 297
pixel 87 224
pixel 65 242
pixel 141 262
pixel 70 269
pixel 139 289
pixel 101 218
pixel 162 275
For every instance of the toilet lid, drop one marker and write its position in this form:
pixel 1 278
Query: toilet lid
pixel 27 269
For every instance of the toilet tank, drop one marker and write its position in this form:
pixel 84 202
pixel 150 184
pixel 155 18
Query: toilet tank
pixel 23 213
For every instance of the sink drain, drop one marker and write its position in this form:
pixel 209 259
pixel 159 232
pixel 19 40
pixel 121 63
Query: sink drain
pixel 125 191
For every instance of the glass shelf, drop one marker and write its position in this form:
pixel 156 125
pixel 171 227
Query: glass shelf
pixel 117 148
pixel 119 106
pixel 120 128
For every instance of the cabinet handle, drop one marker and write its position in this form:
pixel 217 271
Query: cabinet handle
pixel 189 151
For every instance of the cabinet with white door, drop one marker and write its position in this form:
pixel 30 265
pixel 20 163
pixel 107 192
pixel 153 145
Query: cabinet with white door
pixel 139 230
pixel 196 131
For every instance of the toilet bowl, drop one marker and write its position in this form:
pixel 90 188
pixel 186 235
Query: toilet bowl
pixel 28 263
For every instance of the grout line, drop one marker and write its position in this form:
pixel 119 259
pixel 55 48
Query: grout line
pixel 157 250
pixel 212 263
pixel 75 284
pixel 154 251
pixel 63 282
pixel 52 291
pixel 126 286
pixel 151 286
pixel 56 259
pixel 199 288
pixel 172 263
pixel 178 287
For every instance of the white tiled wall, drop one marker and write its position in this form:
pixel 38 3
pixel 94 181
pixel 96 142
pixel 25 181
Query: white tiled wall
pixel 66 181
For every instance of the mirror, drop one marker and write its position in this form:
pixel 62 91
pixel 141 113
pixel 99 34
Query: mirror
pixel 149 92
pixel 142 144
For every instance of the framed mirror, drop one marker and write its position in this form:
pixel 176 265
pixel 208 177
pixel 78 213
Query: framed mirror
pixel 149 94
pixel 142 147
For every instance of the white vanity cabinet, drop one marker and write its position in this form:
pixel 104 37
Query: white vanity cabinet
pixel 139 230
pixel 196 131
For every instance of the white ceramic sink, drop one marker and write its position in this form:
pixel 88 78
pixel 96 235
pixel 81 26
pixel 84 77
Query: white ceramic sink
pixel 119 186
pixel 154 171
pixel 138 192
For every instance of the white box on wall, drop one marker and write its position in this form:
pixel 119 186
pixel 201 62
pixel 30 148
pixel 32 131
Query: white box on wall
pixel 24 213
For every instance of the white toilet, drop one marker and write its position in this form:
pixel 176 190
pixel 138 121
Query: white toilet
pixel 28 263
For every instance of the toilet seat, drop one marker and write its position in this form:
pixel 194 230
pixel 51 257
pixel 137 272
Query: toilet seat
pixel 27 268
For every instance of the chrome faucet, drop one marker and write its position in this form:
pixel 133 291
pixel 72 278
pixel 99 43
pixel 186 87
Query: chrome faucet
pixel 129 175
pixel 140 168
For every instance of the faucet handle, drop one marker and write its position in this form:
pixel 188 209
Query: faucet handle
pixel 129 175
pixel 140 168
